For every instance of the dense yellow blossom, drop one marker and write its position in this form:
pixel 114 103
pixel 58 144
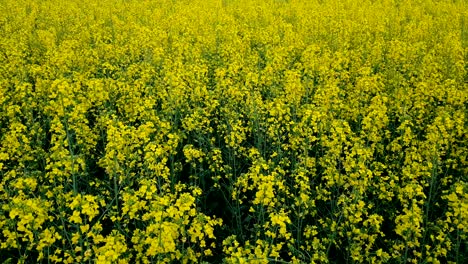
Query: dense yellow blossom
pixel 234 131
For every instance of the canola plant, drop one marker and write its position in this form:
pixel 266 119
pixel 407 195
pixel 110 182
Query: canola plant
pixel 233 131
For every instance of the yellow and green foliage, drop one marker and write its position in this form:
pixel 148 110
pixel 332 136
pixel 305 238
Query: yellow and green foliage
pixel 233 131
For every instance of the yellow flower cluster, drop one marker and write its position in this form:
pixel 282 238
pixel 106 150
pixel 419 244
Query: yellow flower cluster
pixel 234 131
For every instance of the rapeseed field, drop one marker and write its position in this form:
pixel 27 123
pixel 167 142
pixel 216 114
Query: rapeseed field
pixel 233 131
